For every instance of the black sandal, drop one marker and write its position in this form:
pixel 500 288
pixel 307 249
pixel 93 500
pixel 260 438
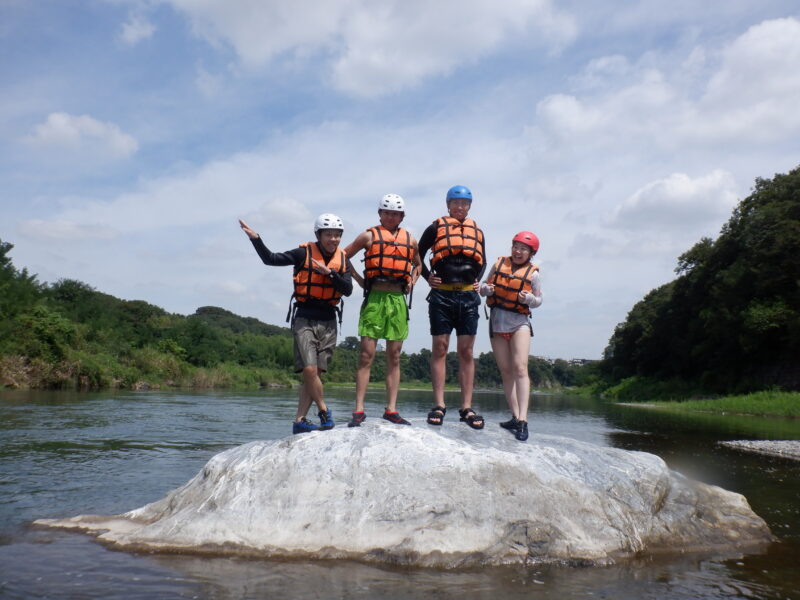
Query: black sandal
pixel 471 418
pixel 437 412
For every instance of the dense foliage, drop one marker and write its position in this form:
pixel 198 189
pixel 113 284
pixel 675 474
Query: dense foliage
pixel 67 335
pixel 730 322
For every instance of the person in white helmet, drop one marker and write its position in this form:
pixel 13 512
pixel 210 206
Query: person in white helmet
pixel 391 268
pixel 321 277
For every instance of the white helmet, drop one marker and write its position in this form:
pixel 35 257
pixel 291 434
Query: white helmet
pixel 328 221
pixel 392 202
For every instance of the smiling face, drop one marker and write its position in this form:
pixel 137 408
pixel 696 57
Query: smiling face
pixel 329 240
pixel 390 219
pixel 520 253
pixel 458 208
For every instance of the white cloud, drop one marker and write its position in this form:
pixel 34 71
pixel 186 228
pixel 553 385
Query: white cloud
pixel 679 202
pixel 83 134
pixel 756 90
pixel 752 91
pixel 136 29
pixel 65 230
pixel 376 47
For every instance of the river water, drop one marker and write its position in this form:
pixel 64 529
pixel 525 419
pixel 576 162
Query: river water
pixel 64 454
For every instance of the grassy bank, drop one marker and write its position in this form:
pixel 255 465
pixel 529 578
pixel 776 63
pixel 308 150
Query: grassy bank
pixel 768 403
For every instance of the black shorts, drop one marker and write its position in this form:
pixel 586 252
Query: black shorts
pixel 453 310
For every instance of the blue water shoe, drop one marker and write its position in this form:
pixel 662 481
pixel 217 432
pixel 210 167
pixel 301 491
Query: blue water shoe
pixel 325 420
pixel 303 426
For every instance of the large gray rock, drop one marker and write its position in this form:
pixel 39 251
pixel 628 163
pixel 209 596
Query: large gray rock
pixel 436 497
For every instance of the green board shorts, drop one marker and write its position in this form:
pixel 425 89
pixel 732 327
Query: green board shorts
pixel 314 342
pixel 384 316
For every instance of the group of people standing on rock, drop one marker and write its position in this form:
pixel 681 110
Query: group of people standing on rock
pixel 393 261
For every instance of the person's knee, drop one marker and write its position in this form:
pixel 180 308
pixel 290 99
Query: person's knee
pixel 393 359
pixel 365 358
pixel 439 348
pixel 520 371
pixel 465 352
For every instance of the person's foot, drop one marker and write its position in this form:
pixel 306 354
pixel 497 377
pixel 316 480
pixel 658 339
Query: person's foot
pixel 303 426
pixel 394 417
pixel 511 424
pixel 358 418
pixel 436 415
pixel 325 420
pixel 522 431
pixel 471 418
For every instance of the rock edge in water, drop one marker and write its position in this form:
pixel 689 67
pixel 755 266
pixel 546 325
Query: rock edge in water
pixel 446 497
pixel 779 448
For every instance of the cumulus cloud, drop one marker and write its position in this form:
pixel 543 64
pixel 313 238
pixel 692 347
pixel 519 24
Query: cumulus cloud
pixel 756 90
pixel 136 29
pixel 375 47
pixel 83 134
pixel 678 202
pixel 747 88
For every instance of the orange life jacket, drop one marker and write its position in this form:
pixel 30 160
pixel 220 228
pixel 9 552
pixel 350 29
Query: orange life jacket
pixel 389 255
pixel 456 237
pixel 310 285
pixel 509 280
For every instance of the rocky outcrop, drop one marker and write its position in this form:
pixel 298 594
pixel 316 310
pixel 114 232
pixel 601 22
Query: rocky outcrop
pixel 436 497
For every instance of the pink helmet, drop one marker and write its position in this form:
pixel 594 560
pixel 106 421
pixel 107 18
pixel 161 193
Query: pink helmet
pixel 529 239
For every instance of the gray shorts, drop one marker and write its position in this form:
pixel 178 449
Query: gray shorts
pixel 314 342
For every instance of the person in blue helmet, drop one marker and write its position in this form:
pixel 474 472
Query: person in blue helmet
pixel 457 264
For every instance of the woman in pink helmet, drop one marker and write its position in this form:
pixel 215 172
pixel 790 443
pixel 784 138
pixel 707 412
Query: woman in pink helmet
pixel 512 288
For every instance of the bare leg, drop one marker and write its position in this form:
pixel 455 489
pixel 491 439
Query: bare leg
pixel 365 357
pixel 520 345
pixel 312 385
pixel 502 355
pixel 439 344
pixel 466 368
pixel 393 349
pixel 303 403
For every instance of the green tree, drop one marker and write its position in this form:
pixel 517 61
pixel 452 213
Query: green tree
pixel 731 320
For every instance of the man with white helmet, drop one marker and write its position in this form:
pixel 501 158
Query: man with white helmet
pixel 391 267
pixel 321 277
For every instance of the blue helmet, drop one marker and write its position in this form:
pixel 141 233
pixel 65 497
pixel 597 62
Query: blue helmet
pixel 459 191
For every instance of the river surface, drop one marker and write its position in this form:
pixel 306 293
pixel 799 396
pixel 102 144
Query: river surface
pixel 64 454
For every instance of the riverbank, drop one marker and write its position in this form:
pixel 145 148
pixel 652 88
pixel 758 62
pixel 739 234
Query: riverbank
pixel 758 404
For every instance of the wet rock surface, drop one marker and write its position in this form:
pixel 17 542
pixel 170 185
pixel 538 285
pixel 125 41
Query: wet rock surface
pixel 440 497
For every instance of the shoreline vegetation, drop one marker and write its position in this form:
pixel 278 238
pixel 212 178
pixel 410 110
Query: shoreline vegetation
pixel 758 404
pixel 67 335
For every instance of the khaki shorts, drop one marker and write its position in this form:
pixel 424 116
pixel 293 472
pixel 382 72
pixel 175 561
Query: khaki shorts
pixel 314 342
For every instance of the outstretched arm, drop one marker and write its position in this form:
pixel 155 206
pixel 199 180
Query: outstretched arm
pixel 294 257
pixel 247 229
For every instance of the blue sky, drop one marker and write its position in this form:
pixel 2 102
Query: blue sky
pixel 134 134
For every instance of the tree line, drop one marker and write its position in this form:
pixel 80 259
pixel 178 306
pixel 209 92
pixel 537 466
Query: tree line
pixel 730 321
pixel 69 335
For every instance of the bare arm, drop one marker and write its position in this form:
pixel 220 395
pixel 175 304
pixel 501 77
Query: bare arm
pixel 363 240
pixel 416 262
